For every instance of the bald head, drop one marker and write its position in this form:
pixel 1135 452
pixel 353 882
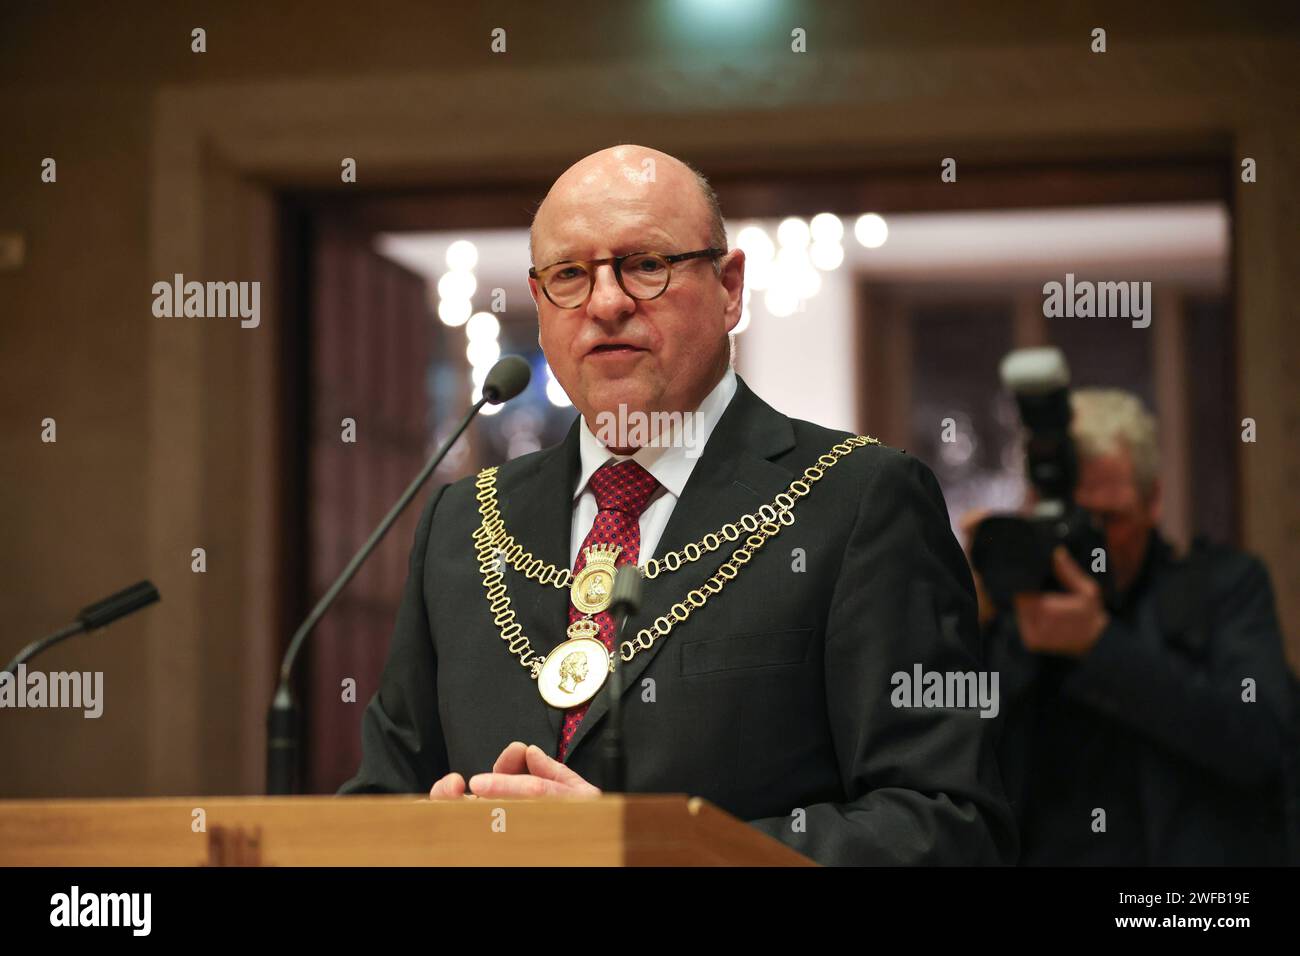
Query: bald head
pixel 646 178
pixel 614 353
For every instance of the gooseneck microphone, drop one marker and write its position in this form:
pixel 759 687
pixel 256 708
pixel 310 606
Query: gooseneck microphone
pixel 92 618
pixel 624 602
pixel 507 379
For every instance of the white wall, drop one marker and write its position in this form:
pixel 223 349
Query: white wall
pixel 803 365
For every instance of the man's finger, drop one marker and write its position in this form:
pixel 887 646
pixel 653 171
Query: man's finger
pixel 1056 604
pixel 511 759
pixel 540 764
pixel 519 786
pixel 1070 574
pixel 525 786
pixel 449 787
pixel 1027 607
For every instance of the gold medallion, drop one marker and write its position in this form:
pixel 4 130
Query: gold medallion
pixel 575 670
pixel 593 586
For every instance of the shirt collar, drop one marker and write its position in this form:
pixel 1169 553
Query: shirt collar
pixel 670 464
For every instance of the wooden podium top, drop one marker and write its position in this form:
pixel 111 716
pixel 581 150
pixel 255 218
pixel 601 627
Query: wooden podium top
pixel 667 830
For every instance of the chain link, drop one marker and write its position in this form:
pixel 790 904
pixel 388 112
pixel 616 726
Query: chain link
pixel 494 545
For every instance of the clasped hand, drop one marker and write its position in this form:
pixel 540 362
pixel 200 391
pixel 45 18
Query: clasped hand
pixel 521 772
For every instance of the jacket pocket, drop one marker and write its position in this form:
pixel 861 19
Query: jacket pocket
pixel 742 651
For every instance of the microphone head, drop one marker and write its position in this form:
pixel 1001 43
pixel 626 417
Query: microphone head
pixel 626 598
pixel 506 379
pixel 124 602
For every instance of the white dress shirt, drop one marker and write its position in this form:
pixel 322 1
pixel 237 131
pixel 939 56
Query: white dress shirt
pixel 670 464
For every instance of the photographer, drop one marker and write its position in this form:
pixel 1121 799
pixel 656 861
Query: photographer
pixel 1145 720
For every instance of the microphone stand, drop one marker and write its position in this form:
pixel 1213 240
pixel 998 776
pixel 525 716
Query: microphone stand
pixel 625 602
pixel 282 721
pixel 92 618
pixel 35 647
pixel 615 758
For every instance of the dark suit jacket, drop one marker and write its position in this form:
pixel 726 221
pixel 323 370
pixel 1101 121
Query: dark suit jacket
pixel 775 696
pixel 1167 672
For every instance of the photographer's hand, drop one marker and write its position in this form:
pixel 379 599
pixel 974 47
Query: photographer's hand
pixel 1068 622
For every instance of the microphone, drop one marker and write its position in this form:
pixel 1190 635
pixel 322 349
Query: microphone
pixel 506 379
pixel 92 618
pixel 625 602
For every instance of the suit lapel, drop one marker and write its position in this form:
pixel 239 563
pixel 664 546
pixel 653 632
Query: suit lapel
pixel 733 476
pixel 537 507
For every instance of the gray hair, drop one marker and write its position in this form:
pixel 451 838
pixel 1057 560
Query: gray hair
pixel 1107 420
pixel 717 227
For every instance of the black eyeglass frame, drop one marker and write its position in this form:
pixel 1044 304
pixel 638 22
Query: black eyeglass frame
pixel 617 262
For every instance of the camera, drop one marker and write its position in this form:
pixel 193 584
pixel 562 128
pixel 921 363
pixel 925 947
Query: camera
pixel 1013 552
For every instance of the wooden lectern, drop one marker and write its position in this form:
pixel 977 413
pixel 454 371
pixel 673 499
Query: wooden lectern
pixel 671 830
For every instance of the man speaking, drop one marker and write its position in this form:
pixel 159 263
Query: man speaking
pixel 790 572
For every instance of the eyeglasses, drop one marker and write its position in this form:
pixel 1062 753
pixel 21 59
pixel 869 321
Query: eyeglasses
pixel 642 275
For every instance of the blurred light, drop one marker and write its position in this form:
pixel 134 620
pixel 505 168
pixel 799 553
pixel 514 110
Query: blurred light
pixel 756 244
pixel 478 374
pixel 457 285
pixel 454 312
pixel 791 259
pixel 483 351
pixel 462 255
pixel 957 453
pixel 781 300
pixel 758 274
pixel 556 394
pixel 482 325
pixel 808 282
pixel 792 232
pixel 524 420
pixel 826 255
pixel 871 230
pixel 522 445
pixel 795 279
pixel 826 227
pixel 735 26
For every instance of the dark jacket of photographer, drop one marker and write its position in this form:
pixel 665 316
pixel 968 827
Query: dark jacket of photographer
pixel 1153 725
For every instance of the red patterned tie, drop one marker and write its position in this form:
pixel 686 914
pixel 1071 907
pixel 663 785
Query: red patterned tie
pixel 622 491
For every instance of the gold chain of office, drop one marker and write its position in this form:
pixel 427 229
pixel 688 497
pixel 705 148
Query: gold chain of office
pixel 493 543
